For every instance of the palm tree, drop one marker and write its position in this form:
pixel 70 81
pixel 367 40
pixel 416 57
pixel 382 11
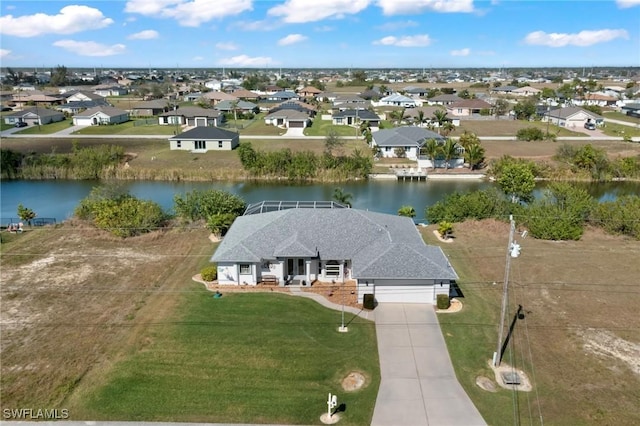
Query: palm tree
pixel 432 149
pixel 449 152
pixel 474 155
pixel 342 197
pixel 447 128
pixel 420 117
pixel 440 116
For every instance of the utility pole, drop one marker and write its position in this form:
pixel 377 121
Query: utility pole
pixel 497 355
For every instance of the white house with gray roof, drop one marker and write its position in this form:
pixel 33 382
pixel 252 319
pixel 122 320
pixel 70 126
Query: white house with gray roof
pixel 203 139
pixel 409 138
pixel 384 254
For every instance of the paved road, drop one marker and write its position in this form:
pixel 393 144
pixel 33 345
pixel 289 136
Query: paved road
pixel 418 386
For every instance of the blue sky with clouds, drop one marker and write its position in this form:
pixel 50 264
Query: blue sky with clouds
pixel 319 33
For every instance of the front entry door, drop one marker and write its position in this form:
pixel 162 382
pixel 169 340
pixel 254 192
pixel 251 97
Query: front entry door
pixel 296 267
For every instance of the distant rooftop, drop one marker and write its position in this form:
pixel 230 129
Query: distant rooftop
pixel 272 206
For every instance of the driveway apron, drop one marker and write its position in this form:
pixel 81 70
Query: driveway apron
pixel 418 385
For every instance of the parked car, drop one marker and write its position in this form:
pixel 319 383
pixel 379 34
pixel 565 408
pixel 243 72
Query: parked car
pixel 589 125
pixel 21 124
pixel 4 108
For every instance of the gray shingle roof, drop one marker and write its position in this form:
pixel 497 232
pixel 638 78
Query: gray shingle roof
pixel 569 111
pixel 378 245
pixel 204 132
pixel 107 110
pixel 363 114
pixel 190 112
pixel 404 136
pixel 40 112
pixel 240 105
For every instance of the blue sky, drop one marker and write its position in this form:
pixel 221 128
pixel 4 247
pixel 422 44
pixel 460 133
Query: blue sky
pixel 319 33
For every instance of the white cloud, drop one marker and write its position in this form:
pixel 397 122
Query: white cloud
pixel 623 4
pixel 4 53
pixel 226 45
pixel 405 41
pixel 324 29
pixel 189 13
pixel 461 52
pixel 583 38
pixel 198 58
pixel 399 7
pixel 393 26
pixel 90 48
pixel 247 61
pixel 144 35
pixel 300 11
pixel 263 25
pixel 291 39
pixel 71 19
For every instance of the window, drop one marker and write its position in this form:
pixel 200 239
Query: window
pixel 332 269
pixel 200 145
pixel 387 149
pixel 178 144
pixel 338 120
pixel 245 269
pixel 219 144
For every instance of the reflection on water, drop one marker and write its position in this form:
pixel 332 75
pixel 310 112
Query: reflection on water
pixel 58 198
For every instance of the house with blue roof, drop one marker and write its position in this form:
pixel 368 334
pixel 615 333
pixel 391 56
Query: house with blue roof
pixel 300 244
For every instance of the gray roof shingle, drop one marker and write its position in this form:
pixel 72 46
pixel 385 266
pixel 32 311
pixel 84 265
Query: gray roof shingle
pixel 404 136
pixel 378 245
pixel 205 132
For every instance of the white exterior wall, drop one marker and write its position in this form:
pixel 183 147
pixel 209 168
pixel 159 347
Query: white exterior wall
pixel 82 121
pixel 211 145
pixel 411 152
pixel 275 268
pixel 229 274
pixel 401 291
pixel 425 163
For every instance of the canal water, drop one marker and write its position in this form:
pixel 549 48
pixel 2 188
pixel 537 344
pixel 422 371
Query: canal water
pixel 58 198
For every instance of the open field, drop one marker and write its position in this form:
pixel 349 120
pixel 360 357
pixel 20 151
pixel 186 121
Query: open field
pixel 116 329
pixel 578 342
pixel 614 115
pixel 615 129
pixel 544 150
pixel 509 128
pixel 322 128
pixel 128 128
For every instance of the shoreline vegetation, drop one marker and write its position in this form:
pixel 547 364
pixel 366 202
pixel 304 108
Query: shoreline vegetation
pixel 287 161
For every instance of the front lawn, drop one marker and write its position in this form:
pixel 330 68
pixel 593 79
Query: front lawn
pixel 614 129
pixel 128 128
pixel 321 128
pixel 45 129
pixel 243 358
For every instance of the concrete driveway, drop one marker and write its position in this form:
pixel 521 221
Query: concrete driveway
pixel 418 386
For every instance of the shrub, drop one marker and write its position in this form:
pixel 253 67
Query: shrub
pixel 442 301
pixel 530 134
pixel 209 273
pixel 368 302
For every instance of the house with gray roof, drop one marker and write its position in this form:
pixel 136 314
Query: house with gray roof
pixel 34 116
pixel 203 138
pixel 384 254
pixel 76 107
pixel 191 116
pixel 287 118
pixel 352 117
pixel 572 117
pixel 444 99
pixel 100 115
pixel 396 99
pixel 239 106
pixel 409 138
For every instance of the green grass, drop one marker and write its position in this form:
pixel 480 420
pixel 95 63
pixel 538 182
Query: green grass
pixel 322 127
pixel 258 127
pixel 613 129
pixel 127 128
pixel 256 358
pixel 46 129
pixel 614 115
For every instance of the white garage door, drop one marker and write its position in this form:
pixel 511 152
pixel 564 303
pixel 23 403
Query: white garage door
pixel 404 294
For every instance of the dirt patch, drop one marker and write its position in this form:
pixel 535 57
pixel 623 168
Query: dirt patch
pixel 354 381
pixel 503 369
pixel 486 383
pixel 605 343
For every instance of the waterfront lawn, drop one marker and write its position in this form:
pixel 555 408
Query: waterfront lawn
pixel 128 128
pixel 242 358
pixel 322 127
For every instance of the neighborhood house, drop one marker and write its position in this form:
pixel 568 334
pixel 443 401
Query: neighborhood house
pixel 303 242
pixel 203 139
